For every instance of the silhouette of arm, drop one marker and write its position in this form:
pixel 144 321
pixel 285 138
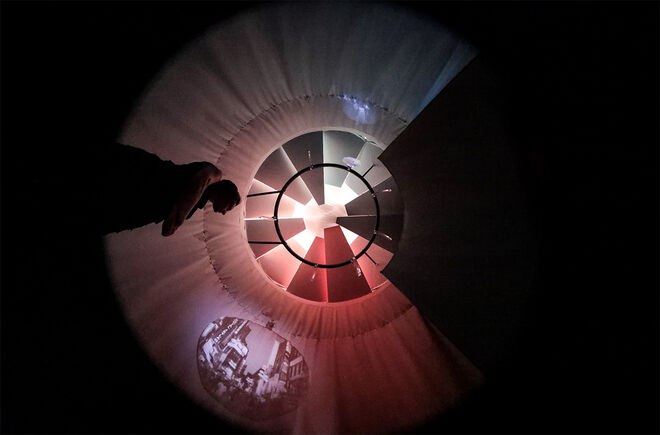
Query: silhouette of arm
pixel 190 195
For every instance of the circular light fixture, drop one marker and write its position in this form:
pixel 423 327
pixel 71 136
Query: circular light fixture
pixel 311 168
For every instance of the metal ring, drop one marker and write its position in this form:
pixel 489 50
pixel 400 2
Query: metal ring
pixel 309 168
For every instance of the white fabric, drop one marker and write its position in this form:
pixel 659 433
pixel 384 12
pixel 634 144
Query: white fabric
pixel 232 97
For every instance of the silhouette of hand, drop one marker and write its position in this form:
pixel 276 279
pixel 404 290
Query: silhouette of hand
pixel 189 197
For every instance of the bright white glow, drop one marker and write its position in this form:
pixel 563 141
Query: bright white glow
pixel 319 217
pixel 305 239
pixel 339 195
pixel 299 209
pixel 350 235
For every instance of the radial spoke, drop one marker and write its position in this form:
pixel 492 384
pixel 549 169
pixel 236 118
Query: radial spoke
pixel 388 230
pixel 263 205
pixel 372 262
pixel 262 193
pixel 276 170
pixel 377 253
pixel 389 200
pixel 262 236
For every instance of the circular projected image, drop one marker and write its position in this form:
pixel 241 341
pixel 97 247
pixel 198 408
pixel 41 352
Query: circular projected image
pixel 250 370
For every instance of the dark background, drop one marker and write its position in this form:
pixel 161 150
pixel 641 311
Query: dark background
pixel 583 80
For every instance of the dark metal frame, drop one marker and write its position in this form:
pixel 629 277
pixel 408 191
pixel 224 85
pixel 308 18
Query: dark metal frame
pixel 299 173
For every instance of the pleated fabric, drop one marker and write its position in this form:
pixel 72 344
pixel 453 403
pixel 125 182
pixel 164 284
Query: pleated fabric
pixel 233 96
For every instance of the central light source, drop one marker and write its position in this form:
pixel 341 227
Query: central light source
pixel 316 256
pixel 339 195
pixel 318 217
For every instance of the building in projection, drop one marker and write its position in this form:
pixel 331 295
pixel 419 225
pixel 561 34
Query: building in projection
pixel 225 351
pixel 223 358
pixel 273 375
pixel 283 376
pixel 297 376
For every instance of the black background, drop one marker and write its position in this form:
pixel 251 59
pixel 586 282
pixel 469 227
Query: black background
pixel 583 80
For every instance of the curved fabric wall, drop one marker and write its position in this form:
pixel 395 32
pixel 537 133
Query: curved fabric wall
pixel 232 97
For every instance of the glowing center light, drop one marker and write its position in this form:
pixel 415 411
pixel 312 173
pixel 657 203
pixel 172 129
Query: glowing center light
pixel 339 195
pixel 319 217
pixel 299 209
pixel 305 239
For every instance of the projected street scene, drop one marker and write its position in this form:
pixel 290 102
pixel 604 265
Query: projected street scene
pixel 249 369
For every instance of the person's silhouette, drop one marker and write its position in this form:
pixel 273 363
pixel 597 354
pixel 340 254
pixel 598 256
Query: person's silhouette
pixel 134 188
